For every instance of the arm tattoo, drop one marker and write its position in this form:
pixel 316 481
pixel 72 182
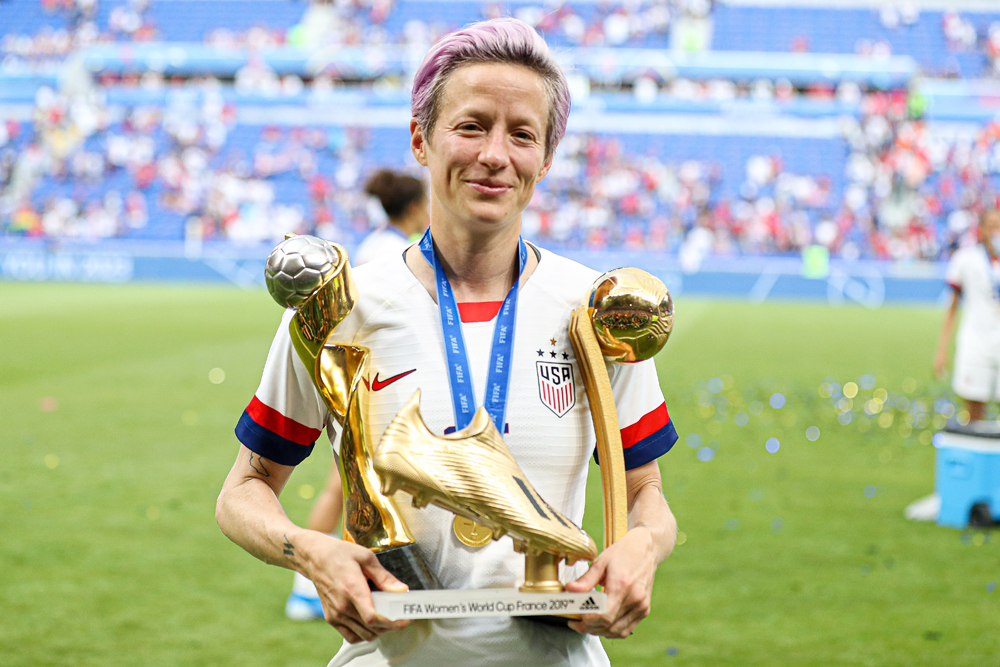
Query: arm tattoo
pixel 258 465
pixel 287 548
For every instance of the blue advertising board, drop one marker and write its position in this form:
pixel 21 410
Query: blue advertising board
pixel 758 279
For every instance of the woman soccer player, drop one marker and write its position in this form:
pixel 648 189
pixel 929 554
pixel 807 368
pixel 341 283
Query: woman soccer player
pixel 974 276
pixel 489 108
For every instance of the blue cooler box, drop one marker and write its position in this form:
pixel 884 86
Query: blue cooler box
pixel 967 471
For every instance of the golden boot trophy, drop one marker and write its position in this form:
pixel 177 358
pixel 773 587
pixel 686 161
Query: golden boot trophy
pixel 313 276
pixel 472 473
pixel 626 318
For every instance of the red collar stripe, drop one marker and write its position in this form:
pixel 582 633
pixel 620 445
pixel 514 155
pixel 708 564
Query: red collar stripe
pixel 479 311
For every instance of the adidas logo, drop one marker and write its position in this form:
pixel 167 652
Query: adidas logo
pixel 588 605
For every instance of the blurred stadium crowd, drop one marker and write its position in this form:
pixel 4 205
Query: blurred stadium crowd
pixel 95 162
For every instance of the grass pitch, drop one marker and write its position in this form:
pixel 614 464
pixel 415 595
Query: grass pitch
pixel 115 443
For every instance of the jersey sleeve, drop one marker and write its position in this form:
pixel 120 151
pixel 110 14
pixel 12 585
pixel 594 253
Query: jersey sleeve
pixel 287 414
pixel 646 428
pixel 953 275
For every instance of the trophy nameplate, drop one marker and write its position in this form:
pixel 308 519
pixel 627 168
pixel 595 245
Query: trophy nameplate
pixel 486 602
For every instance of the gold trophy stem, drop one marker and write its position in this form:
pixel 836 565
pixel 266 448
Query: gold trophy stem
pixel 541 574
pixel 371 519
pixel 602 410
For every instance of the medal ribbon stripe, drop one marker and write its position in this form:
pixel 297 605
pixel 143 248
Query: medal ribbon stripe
pixel 502 351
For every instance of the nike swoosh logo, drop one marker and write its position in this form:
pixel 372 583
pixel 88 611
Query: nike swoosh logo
pixel 378 385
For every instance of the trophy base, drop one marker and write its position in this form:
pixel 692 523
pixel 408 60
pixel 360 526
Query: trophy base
pixel 487 602
pixel 408 565
pixel 541 575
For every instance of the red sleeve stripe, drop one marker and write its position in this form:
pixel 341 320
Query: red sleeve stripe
pixel 649 424
pixel 279 424
pixel 956 287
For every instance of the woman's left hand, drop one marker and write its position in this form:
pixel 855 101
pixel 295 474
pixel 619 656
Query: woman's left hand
pixel 626 570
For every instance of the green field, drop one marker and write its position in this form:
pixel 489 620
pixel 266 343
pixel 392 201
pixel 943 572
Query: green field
pixel 115 444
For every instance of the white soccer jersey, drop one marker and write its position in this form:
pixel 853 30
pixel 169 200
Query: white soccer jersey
pixel 976 277
pixel 383 241
pixel 548 430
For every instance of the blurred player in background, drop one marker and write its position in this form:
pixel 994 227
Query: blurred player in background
pixel 974 276
pixel 404 199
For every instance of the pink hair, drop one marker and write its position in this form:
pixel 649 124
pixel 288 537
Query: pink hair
pixel 502 40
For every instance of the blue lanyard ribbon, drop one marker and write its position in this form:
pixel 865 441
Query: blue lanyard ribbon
pixel 501 354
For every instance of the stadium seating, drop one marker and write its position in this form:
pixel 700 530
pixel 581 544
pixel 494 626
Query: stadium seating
pixel 728 156
pixel 192 21
pixel 718 138
pixel 743 28
pixel 734 27
pixel 26 17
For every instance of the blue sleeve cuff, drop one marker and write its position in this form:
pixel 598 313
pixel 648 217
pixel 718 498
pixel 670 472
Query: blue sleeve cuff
pixel 650 448
pixel 270 445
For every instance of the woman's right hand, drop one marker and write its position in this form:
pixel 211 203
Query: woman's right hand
pixel 341 571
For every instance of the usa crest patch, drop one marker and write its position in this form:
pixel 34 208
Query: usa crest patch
pixel 555 386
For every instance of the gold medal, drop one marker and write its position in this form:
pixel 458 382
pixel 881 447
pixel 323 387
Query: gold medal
pixel 470 533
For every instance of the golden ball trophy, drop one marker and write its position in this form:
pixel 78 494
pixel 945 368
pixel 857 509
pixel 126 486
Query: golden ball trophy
pixel 626 318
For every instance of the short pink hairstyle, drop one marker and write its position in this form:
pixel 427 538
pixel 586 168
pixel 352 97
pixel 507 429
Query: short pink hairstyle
pixel 502 40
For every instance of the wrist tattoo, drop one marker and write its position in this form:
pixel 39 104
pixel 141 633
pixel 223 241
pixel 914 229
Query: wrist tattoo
pixel 258 465
pixel 288 548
